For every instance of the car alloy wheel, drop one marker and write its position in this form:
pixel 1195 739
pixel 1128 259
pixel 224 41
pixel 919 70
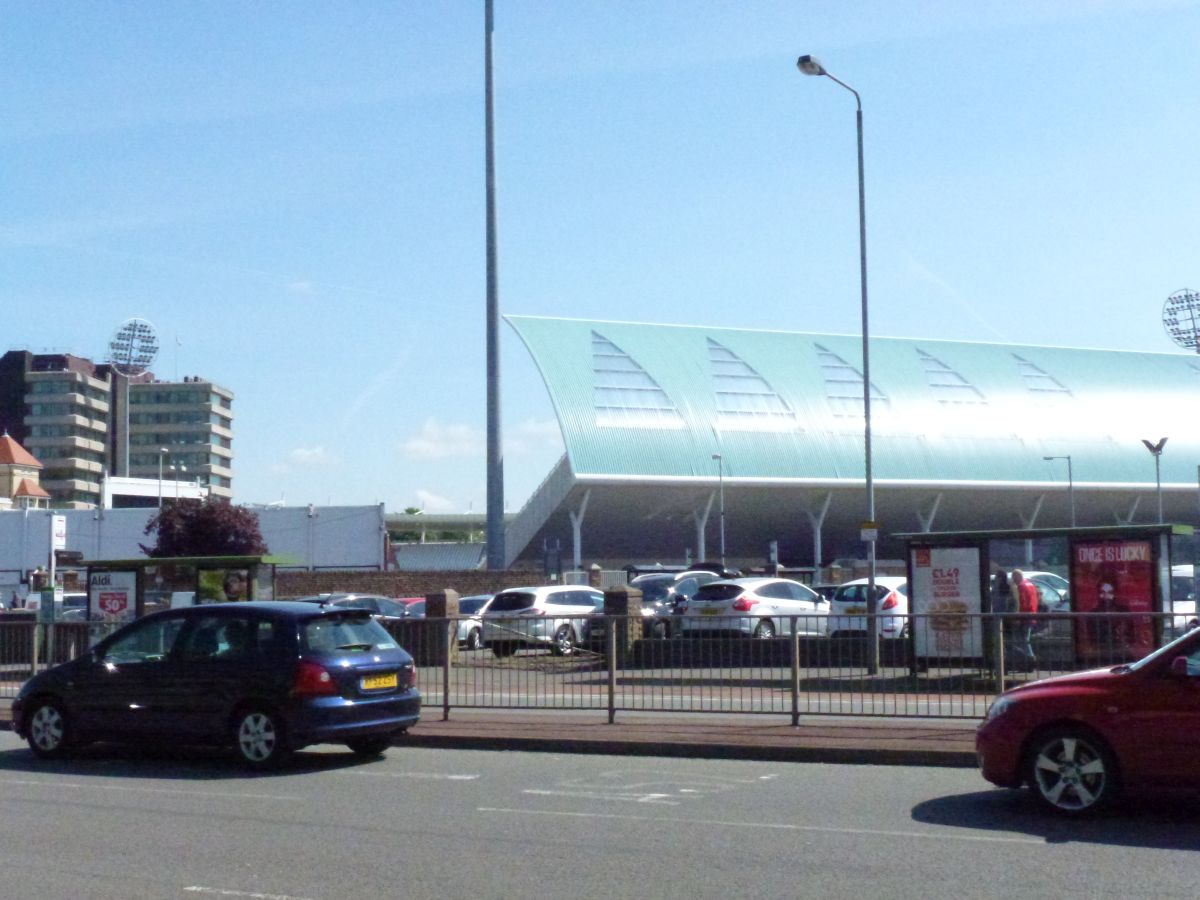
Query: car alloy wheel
pixel 473 639
pixel 764 630
pixel 48 732
pixel 1072 771
pixel 564 641
pixel 260 738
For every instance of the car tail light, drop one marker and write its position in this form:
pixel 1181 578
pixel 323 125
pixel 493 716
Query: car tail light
pixel 312 680
pixel 408 677
pixel 891 602
pixel 744 603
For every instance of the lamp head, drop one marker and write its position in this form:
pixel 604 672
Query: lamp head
pixel 1156 449
pixel 810 65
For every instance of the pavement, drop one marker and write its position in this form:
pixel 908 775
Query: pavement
pixel 869 741
pixel 875 741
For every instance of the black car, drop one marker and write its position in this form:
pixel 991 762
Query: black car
pixel 266 677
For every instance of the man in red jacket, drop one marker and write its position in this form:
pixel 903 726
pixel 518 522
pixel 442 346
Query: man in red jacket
pixel 1027 605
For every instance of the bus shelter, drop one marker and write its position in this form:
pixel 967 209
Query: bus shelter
pixel 125 589
pixel 1136 580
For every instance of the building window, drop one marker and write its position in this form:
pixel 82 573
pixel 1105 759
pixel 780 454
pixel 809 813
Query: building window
pixel 1040 383
pixel 624 394
pixel 947 385
pixel 745 401
pixel 844 385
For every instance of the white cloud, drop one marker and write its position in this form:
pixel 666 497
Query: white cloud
pixel 311 456
pixel 301 287
pixel 433 503
pixel 437 441
pixel 532 435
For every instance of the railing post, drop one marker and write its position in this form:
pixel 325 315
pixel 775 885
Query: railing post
pixel 795 672
pixel 611 662
pixel 449 646
pixel 999 652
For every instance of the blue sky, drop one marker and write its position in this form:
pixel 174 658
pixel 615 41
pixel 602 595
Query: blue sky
pixel 293 193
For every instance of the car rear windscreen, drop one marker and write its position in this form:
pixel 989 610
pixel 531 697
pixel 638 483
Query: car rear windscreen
pixel 511 601
pixel 351 632
pixel 719 592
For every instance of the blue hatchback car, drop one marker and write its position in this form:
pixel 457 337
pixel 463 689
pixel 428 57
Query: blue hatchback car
pixel 267 678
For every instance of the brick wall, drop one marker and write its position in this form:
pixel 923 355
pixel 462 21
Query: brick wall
pixel 401 584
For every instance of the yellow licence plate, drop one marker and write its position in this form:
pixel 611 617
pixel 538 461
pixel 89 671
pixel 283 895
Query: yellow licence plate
pixel 379 682
pixel 856 610
pixel 710 612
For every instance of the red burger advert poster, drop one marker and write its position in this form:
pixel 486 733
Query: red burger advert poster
pixel 1113 577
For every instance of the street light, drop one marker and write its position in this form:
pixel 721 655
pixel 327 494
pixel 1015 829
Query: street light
pixel 721 492
pixel 162 451
pixel 810 65
pixel 177 471
pixel 1070 483
pixel 1156 450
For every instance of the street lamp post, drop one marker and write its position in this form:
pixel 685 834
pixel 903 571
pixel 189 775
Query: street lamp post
pixel 1070 483
pixel 178 471
pixel 1156 450
pixel 810 65
pixel 162 451
pixel 721 501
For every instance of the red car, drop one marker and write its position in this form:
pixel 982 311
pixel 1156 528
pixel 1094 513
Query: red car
pixel 1081 740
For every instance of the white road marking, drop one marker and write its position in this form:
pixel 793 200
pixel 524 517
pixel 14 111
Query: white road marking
pixel 594 795
pixel 218 892
pixel 424 776
pixel 126 789
pixel 775 826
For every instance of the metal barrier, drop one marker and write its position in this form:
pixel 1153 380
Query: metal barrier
pixel 942 665
pixel 967 660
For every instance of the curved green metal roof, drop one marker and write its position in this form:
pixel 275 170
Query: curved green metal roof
pixel 643 401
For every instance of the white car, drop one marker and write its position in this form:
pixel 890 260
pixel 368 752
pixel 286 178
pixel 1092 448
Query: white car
pixel 554 616
pixel 848 610
pixel 1183 599
pixel 470 623
pixel 754 607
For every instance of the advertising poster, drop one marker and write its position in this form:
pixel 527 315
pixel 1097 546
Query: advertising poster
pixel 1114 576
pixel 112 597
pixel 947 602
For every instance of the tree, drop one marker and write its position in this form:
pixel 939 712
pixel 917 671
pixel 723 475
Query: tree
pixel 211 527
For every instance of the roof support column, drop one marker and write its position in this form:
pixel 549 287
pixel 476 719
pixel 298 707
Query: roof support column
pixel 577 530
pixel 817 521
pixel 1128 519
pixel 926 519
pixel 701 520
pixel 1027 522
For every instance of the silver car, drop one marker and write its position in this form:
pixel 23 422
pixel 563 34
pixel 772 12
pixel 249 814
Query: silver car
pixel 554 616
pixel 470 623
pixel 755 607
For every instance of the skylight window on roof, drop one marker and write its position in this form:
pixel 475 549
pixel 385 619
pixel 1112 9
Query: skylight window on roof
pixel 844 385
pixel 745 400
pixel 624 394
pixel 1043 385
pixel 948 386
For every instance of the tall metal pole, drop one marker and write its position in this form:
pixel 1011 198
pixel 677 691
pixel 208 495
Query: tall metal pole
pixel 1070 483
pixel 1156 451
pixel 495 456
pixel 721 494
pixel 809 65
pixel 161 452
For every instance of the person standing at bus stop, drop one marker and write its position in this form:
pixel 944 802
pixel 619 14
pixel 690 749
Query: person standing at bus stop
pixel 1027 606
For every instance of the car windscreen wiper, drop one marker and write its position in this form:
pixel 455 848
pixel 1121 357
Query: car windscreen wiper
pixel 355 646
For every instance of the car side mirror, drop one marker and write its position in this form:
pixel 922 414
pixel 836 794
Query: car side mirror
pixel 1179 667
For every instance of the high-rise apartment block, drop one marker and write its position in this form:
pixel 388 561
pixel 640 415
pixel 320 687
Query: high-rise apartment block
pixel 84 420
